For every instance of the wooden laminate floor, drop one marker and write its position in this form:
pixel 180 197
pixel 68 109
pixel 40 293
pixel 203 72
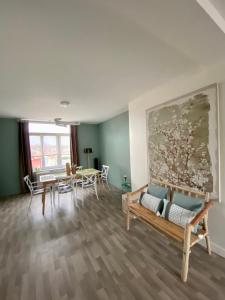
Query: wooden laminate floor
pixel 86 253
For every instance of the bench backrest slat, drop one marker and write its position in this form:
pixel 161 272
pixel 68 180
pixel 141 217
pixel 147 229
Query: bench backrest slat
pixel 184 190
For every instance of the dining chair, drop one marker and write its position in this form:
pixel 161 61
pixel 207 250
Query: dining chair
pixel 78 168
pixel 35 188
pixel 104 174
pixel 87 181
pixel 64 186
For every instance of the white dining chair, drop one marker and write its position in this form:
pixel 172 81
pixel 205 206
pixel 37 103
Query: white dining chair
pixel 87 182
pixel 64 186
pixel 78 168
pixel 35 188
pixel 104 174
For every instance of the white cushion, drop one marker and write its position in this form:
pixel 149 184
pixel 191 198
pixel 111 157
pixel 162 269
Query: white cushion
pixel 150 202
pixel 177 214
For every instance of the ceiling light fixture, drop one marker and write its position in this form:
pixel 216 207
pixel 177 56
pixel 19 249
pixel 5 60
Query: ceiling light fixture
pixel 60 122
pixel 64 104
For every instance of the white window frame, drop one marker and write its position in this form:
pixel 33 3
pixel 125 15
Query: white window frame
pixel 58 147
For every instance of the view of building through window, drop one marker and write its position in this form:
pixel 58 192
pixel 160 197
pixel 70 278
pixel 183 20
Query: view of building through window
pixel 50 146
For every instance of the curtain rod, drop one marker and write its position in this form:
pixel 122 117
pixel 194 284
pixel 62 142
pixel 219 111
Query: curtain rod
pixel 35 121
pixel 59 123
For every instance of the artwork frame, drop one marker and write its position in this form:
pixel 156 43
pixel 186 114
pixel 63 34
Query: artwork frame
pixel 192 122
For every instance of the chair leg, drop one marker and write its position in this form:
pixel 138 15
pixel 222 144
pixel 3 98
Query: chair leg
pixel 43 202
pixel 31 198
pixel 103 183
pixel 53 194
pixel 82 194
pixel 58 197
pixel 74 197
pixel 96 192
pixel 186 253
pixel 76 188
pixel 73 193
pixel 107 184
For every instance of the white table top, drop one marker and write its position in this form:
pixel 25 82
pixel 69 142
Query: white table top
pixel 54 177
pixel 47 177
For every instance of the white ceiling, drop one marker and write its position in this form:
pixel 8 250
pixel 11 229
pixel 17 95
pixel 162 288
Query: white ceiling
pixel 98 54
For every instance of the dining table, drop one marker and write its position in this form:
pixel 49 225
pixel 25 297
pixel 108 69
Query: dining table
pixel 48 180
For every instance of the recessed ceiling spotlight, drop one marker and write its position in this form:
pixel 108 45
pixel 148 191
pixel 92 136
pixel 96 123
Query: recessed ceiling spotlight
pixel 64 104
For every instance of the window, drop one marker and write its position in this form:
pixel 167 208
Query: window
pixel 50 146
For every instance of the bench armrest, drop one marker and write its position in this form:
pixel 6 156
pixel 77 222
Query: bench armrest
pixel 130 194
pixel 134 196
pixel 202 213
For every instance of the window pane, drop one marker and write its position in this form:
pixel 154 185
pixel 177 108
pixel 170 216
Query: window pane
pixel 49 145
pixel 46 153
pixel 64 159
pixel 35 147
pixel 65 145
pixel 50 160
pixel 36 162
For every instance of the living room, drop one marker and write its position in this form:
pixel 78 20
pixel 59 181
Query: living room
pixel 115 112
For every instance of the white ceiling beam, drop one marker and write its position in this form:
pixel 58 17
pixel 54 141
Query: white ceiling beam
pixel 213 12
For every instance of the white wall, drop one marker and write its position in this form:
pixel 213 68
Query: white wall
pixel 138 146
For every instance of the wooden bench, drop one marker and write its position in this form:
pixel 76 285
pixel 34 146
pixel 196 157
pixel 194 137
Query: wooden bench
pixel 183 235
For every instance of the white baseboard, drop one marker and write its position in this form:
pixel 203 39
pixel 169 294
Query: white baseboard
pixel 215 248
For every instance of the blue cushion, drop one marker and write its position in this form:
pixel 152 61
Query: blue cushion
pixel 157 191
pixel 187 202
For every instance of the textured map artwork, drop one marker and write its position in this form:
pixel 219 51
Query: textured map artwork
pixel 182 141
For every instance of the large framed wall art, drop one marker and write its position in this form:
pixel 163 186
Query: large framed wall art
pixel 183 141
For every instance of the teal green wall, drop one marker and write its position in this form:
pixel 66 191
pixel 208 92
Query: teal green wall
pixel 88 137
pixel 115 149
pixel 9 157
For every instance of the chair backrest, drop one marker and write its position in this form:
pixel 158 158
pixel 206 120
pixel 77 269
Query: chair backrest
pixel 89 180
pixel 29 183
pixel 79 167
pixel 65 184
pixel 66 179
pixel 105 171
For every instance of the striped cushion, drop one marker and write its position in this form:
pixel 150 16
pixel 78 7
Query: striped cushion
pixel 177 214
pixel 65 189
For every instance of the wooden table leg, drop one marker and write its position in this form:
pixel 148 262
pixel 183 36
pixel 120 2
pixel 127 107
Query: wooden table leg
pixel 43 202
